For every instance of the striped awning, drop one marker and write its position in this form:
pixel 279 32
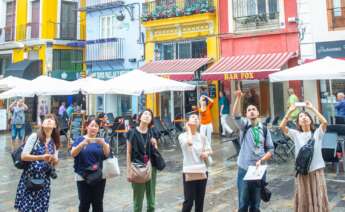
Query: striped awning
pixel 180 69
pixel 247 67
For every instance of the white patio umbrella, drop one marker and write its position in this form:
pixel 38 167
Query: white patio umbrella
pixel 323 69
pixel 41 86
pixel 90 85
pixel 11 82
pixel 135 82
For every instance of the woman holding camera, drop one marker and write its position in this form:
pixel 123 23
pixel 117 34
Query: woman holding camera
pixel 89 152
pixel 41 151
pixel 311 190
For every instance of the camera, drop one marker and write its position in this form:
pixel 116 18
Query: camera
pixel 52 173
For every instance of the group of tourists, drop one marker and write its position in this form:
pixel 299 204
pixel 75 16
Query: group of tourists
pixel 89 151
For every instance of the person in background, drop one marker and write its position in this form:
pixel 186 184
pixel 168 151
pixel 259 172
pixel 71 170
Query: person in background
pixel 206 127
pixel 43 110
pixel 70 110
pixel 291 101
pixel 195 149
pixel 340 105
pixel 41 151
pixel 18 109
pixel 62 109
pixel 88 152
pixel 224 113
pixel 254 98
pixel 311 189
pixel 256 148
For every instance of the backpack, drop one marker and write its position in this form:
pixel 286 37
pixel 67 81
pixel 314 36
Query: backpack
pixel 17 156
pixel 304 157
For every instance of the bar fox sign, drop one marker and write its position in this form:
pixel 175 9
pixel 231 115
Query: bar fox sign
pixel 240 76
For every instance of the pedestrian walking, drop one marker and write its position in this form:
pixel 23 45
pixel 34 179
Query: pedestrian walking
pixel 89 152
pixel 256 148
pixel 204 109
pixel 340 105
pixel 62 109
pixel 18 109
pixel 140 147
pixel 291 101
pixel 196 150
pixel 41 151
pixel 224 113
pixel 310 189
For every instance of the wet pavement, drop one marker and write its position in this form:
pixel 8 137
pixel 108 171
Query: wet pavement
pixel 221 192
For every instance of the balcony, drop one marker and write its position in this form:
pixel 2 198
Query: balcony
pixel 9 32
pixel 161 9
pixel 104 49
pixel 94 5
pixel 253 15
pixel 336 17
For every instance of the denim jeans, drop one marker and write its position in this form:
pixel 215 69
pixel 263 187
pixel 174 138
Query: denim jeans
pixel 248 192
pixel 15 131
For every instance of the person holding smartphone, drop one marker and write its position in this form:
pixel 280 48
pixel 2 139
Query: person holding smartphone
pixel 204 109
pixel 89 152
pixel 311 189
pixel 18 109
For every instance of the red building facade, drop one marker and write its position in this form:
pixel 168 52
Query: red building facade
pixel 257 37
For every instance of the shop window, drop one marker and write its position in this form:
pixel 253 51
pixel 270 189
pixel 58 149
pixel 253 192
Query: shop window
pixel 181 50
pixel 335 14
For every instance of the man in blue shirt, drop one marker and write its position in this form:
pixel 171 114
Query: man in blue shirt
pixel 340 105
pixel 224 111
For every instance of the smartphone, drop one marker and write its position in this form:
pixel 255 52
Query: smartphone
pixel 300 104
pixel 94 140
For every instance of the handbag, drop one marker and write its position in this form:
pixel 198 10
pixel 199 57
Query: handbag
pixel 140 172
pixel 17 156
pixel 93 175
pixel 33 184
pixel 157 160
pixel 111 167
pixel 265 194
pixel 195 176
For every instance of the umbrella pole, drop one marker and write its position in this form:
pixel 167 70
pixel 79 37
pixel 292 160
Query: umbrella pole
pixel 103 103
pixel 183 105
pixel 332 103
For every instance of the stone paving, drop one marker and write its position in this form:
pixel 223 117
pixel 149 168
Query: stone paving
pixel 221 188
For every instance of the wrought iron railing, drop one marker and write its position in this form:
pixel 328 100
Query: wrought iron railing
pixel 104 49
pixel 160 9
pixel 337 15
pixel 255 22
pixel 9 32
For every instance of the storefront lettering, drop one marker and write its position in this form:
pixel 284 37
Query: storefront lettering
pixel 239 76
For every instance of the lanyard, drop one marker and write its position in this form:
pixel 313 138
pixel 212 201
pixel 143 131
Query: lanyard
pixel 256 133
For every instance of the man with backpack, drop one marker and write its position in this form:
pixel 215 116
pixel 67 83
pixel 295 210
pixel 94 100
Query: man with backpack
pixel 256 148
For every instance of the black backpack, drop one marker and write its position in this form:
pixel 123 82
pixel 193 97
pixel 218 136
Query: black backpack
pixel 17 156
pixel 304 157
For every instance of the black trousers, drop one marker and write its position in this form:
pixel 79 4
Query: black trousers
pixel 194 191
pixel 91 195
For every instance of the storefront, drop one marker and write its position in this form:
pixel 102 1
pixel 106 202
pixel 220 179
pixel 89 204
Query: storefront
pixel 252 71
pixel 327 97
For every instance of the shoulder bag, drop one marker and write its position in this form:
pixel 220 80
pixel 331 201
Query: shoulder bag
pixel 141 172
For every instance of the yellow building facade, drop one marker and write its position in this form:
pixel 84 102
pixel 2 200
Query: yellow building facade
pixel 44 31
pixel 181 26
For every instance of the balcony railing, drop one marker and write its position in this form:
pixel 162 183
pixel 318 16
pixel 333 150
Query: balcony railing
pixel 61 31
pixel 160 9
pixel 336 17
pixel 104 49
pixel 257 22
pixel 94 5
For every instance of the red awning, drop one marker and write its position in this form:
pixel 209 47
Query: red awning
pixel 247 67
pixel 181 69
